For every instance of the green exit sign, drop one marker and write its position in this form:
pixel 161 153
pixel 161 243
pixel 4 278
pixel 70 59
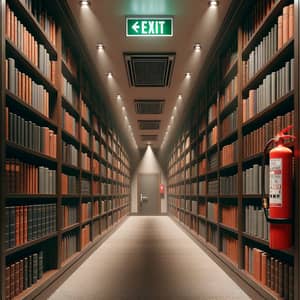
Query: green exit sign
pixel 149 26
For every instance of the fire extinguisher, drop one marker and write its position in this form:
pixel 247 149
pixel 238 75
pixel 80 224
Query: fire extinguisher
pixel 278 208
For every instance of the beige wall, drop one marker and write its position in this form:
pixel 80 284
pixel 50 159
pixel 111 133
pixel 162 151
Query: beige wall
pixel 148 164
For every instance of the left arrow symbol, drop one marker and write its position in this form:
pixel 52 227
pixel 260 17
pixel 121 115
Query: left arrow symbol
pixel 136 26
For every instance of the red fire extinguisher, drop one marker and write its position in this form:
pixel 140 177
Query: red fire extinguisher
pixel 280 202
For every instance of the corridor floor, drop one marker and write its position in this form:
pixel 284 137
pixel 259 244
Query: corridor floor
pixel 149 258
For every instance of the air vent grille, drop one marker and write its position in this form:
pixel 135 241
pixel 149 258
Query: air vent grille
pixel 149 70
pixel 149 106
pixel 149 124
pixel 148 137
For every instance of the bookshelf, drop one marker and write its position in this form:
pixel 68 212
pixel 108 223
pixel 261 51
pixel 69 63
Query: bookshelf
pixel 237 109
pixel 66 169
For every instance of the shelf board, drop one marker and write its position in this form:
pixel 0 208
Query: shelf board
pixel 282 54
pixel 228 167
pixel 70 227
pixel 70 167
pixel 18 103
pixel 31 69
pixel 70 108
pixel 12 147
pixel 234 196
pixel 230 71
pixel 228 228
pixel 231 136
pixel 70 138
pixel 255 239
pixel 212 222
pixel 260 31
pixel 23 12
pixel 13 196
pixel 229 107
pixel 68 74
pixel 16 249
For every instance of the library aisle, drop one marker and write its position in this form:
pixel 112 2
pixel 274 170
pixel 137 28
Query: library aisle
pixel 149 258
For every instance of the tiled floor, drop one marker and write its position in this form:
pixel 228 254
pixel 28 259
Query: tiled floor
pixel 149 258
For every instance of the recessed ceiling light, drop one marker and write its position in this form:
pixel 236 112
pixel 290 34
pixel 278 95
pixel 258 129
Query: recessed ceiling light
pixel 109 75
pixel 100 47
pixel 188 75
pixel 119 98
pixel 84 3
pixel 175 107
pixel 197 48
pixel 179 97
pixel 123 107
pixel 172 118
pixel 213 3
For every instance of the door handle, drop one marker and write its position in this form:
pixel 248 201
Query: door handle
pixel 143 198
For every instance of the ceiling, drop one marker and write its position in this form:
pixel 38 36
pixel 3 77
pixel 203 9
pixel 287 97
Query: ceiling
pixel 104 22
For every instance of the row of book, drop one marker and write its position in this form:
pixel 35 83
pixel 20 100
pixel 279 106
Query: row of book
pixel 194 170
pixel 25 88
pixel 230 247
pixel 275 86
pixel 212 161
pixel 96 208
pixel 96 145
pixel 270 43
pixel 212 112
pixel 212 211
pixel 213 187
pixel 69 215
pixel 229 185
pixel 229 154
pixel 270 271
pixel 229 215
pixel 255 222
pixel 23 273
pixel 85 235
pixel 68 184
pixel 85 162
pixel 229 57
pixel 96 230
pixel 202 208
pixel 255 17
pixel 85 137
pixel 69 92
pixel 69 244
pixel 230 92
pixel 69 154
pixel 252 180
pixel 28 45
pixel 202 228
pixel 96 167
pixel 29 179
pixel 69 123
pixel 68 57
pixel 28 222
pixel 212 234
pixel 41 14
pixel 202 187
pixel 212 137
pixel 85 186
pixel 202 166
pixel 30 135
pixel 255 141
pixel 229 124
pixel 202 145
pixel 86 211
pixel 85 111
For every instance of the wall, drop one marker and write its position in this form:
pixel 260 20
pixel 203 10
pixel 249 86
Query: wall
pixel 148 164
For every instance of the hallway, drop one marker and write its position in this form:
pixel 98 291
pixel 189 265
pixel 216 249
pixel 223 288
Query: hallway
pixel 149 258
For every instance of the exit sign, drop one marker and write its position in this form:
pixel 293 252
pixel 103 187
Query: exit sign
pixel 149 26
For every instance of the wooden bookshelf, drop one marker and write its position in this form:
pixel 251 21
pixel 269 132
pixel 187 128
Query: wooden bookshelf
pixel 113 191
pixel 209 232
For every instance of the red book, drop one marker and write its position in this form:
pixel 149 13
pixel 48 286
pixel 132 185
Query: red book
pixel 264 257
pixel 7 283
pixel 285 25
pixel 280 32
pixel 291 21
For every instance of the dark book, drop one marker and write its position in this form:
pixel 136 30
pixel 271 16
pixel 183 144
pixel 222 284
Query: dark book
pixel 30 271
pixel 40 264
pixel 26 270
pixel 7 283
pixel 21 275
pixel 35 267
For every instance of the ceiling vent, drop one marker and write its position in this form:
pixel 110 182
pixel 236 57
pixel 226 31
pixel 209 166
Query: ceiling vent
pixel 149 70
pixel 149 124
pixel 153 107
pixel 149 137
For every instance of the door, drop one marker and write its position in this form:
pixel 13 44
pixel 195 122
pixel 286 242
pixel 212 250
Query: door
pixel 148 194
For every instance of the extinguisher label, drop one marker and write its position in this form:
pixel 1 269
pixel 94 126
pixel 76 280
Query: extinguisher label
pixel 276 182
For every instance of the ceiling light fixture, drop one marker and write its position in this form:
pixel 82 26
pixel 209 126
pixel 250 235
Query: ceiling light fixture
pixel 119 98
pixel 197 48
pixel 180 97
pixel 84 3
pixel 213 3
pixel 188 75
pixel 100 47
pixel 109 75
